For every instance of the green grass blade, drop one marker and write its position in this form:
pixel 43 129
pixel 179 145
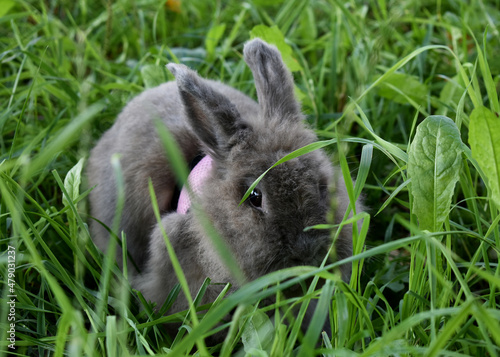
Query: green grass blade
pixel 486 73
pixel 177 267
pixel 111 338
pixel 393 194
pixel 299 152
pixel 317 321
pixel 391 148
pixel 66 137
pixel 364 169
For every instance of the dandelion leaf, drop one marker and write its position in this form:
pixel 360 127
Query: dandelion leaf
pixel 434 165
pixel 484 139
pixel 72 182
pixel 274 36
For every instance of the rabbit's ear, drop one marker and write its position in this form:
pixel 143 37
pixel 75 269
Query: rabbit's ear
pixel 212 116
pixel 273 81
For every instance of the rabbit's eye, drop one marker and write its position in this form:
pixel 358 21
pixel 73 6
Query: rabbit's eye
pixel 255 198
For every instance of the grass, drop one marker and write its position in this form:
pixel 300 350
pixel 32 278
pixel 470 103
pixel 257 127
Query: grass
pixel 367 73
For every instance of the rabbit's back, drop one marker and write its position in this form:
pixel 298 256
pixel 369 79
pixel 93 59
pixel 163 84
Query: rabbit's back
pixel 142 157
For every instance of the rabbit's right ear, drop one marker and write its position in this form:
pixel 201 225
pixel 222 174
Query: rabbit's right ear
pixel 273 81
pixel 212 116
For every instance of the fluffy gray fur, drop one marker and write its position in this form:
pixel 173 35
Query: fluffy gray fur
pixel 244 139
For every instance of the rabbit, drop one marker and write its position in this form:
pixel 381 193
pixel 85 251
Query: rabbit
pixel 242 138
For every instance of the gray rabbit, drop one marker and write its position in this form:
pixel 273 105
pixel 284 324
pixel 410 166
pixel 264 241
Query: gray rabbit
pixel 243 139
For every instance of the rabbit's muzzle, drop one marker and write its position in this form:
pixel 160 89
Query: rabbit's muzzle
pixel 307 248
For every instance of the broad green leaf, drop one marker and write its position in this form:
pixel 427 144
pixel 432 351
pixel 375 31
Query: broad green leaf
pixel 408 86
pixel 433 165
pixel 5 6
pixel 257 333
pixel 153 75
pixel 484 139
pixel 72 182
pixel 273 36
pixel 450 94
pixel 213 37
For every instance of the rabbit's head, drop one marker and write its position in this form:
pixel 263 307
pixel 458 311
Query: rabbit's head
pixel 266 232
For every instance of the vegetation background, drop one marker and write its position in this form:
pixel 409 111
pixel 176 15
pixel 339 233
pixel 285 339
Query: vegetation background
pixel 409 88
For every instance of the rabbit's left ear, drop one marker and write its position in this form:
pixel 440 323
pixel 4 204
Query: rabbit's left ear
pixel 212 116
pixel 273 81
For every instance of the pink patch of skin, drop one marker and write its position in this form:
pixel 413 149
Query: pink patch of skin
pixel 196 180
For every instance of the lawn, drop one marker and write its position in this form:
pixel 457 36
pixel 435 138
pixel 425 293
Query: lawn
pixel 403 95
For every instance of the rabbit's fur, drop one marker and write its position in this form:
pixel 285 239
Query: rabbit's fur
pixel 244 139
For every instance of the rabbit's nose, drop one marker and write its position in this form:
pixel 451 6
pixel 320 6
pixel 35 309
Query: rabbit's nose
pixel 310 248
